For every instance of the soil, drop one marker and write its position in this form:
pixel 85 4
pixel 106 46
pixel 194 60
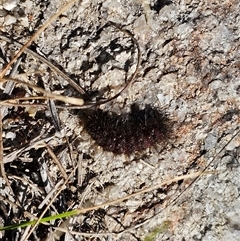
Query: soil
pixel 189 70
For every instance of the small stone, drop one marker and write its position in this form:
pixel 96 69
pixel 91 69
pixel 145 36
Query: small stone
pixel 3 13
pixel 9 20
pixel 25 21
pixel 10 135
pixel 64 20
pixel 9 5
pixel 210 141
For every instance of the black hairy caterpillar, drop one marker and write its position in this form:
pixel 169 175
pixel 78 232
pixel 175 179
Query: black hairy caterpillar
pixel 126 133
pixel 129 132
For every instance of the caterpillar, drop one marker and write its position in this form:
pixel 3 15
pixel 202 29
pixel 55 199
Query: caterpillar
pixel 127 133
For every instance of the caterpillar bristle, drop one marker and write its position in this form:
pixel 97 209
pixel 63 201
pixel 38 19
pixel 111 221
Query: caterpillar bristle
pixel 127 133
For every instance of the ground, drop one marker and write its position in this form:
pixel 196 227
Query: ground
pixel 189 70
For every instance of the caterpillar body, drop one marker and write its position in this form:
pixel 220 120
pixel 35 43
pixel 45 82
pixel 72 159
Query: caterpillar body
pixel 126 133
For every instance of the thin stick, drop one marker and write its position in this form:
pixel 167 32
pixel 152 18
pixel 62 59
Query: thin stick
pixel 70 100
pixel 113 202
pixel 71 82
pixel 39 31
pixel 48 63
pixel 135 72
pixel 50 203
pixel 56 161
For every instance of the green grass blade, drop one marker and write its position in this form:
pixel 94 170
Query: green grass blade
pixel 43 220
pixel 163 228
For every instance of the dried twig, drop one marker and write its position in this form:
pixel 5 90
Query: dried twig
pixel 39 31
pixel 47 62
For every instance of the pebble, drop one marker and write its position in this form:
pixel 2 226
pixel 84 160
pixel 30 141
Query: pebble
pixel 9 5
pixel 9 19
